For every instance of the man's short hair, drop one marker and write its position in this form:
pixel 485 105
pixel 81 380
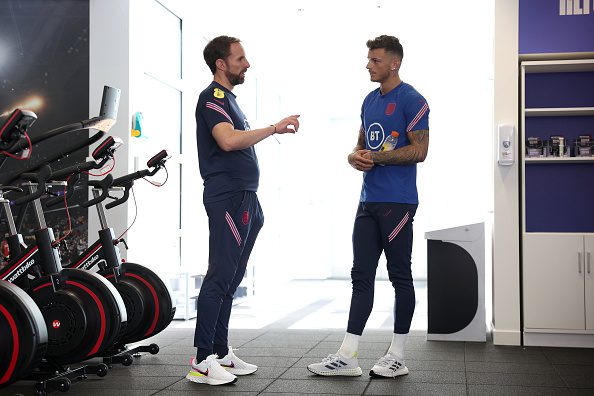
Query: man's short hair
pixel 388 43
pixel 218 48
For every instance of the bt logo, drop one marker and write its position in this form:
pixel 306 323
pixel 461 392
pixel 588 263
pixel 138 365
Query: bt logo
pixel 375 135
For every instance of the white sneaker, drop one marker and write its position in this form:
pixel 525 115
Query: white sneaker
pixel 389 366
pixel 235 365
pixel 210 372
pixel 336 364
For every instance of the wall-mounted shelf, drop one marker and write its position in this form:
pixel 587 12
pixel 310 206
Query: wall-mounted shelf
pixel 559 66
pixel 558 160
pixel 559 111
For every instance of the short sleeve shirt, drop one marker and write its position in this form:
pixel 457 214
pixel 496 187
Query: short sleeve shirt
pixel 402 110
pixel 224 172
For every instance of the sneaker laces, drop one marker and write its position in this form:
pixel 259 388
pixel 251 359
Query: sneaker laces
pixel 386 361
pixel 331 358
pixel 211 358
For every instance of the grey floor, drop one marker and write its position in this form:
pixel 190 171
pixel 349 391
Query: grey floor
pixel 436 368
pixel 283 340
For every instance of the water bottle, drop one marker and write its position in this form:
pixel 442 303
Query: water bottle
pixel 390 142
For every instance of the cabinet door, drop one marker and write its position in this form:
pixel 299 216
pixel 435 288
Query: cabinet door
pixel 589 281
pixel 553 284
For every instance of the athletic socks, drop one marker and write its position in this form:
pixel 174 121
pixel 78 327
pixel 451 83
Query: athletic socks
pixel 350 346
pixel 397 346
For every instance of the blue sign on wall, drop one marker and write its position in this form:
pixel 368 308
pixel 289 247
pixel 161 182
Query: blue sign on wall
pixel 552 26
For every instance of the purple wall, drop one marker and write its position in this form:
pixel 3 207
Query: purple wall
pixel 559 197
pixel 543 28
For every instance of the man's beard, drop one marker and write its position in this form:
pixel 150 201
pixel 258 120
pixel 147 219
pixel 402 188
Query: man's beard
pixel 235 79
pixel 379 77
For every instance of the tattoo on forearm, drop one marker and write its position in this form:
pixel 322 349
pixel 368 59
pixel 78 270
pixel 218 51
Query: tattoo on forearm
pixel 421 135
pixel 415 152
pixel 361 139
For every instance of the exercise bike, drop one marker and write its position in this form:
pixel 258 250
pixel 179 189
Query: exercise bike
pixel 22 327
pixel 84 313
pixel 148 302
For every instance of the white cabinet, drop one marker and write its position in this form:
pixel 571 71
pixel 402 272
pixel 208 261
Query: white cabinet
pixel 589 280
pixel 557 215
pixel 185 288
pixel 184 294
pixel 558 282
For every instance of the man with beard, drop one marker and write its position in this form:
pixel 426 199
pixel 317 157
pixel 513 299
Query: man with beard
pixel 387 206
pixel 229 168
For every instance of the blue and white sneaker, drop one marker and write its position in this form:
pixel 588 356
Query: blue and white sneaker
pixel 336 364
pixel 388 366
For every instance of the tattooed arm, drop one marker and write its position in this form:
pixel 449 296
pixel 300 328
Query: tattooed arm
pixel 359 158
pixel 415 152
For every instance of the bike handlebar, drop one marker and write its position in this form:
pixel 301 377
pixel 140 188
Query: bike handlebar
pixel 102 123
pixel 122 180
pixel 102 184
pixel 38 178
pixel 8 178
pixel 127 186
pixel 156 162
pixel 127 181
pixel 69 191
pixel 10 188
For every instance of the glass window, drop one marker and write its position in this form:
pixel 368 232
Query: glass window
pixel 162 41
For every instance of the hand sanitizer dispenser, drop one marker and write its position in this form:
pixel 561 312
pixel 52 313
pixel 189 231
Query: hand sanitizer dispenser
pixel 505 140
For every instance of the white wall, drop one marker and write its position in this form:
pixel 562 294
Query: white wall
pixel 119 49
pixel 309 58
pixel 506 231
pixel 109 63
pixel 155 90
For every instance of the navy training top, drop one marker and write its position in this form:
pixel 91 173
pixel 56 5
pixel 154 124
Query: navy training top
pixel 224 172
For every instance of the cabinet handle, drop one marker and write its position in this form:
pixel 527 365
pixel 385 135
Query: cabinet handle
pixel 588 261
pixel 579 263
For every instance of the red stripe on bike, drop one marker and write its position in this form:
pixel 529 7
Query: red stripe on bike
pixel 16 113
pixel 155 300
pixel 82 261
pixel 101 314
pixel 42 286
pixel 15 345
pixel 24 258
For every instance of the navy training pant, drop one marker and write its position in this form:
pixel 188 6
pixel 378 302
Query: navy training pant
pixel 234 225
pixel 383 227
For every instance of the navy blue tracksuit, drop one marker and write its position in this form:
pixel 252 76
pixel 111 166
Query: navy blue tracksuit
pixel 235 217
pixel 383 227
pixel 234 225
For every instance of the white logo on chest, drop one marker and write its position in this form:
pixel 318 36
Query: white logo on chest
pixel 375 135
